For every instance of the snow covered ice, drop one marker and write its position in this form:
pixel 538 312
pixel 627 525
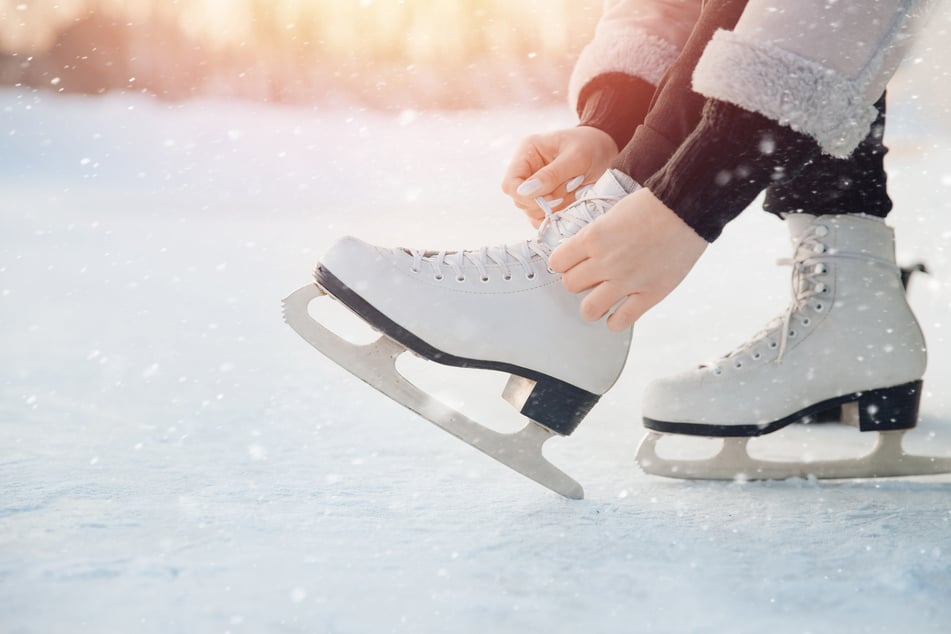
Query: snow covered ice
pixel 173 458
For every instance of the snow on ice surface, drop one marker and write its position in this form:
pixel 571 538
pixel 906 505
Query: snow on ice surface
pixel 173 458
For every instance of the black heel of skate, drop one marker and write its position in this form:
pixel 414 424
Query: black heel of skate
pixel 832 414
pixel 889 408
pixel 554 404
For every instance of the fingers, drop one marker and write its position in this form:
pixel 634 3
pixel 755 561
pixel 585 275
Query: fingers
pixel 627 308
pixel 556 164
pixel 520 184
pixel 554 178
pixel 530 156
pixel 526 161
pixel 630 310
pixel 569 253
pixel 556 199
pixel 581 277
pixel 599 301
pixel 541 166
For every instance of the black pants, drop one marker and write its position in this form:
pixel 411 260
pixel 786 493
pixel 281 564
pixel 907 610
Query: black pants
pixel 815 183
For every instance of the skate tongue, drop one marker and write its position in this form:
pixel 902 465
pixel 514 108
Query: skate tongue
pixel 593 202
pixel 613 184
pixel 798 224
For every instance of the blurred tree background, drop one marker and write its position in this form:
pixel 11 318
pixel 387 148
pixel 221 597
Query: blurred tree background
pixel 379 53
pixel 424 54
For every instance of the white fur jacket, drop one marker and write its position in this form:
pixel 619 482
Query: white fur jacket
pixel 817 66
pixel 635 37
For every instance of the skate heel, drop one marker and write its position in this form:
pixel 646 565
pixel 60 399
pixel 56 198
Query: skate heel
pixel 554 404
pixel 889 407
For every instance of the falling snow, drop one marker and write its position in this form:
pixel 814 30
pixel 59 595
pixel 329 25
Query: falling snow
pixel 175 458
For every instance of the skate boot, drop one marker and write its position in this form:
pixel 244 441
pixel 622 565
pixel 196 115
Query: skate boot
pixel 848 339
pixel 495 308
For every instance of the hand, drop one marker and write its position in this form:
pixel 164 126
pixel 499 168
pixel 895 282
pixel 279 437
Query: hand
pixel 555 164
pixel 633 257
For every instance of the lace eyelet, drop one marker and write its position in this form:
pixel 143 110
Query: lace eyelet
pixel 792 333
pixel 818 308
pixel 413 270
pixel 461 279
pixel 438 277
pixel 530 276
pixel 484 279
pixel 550 271
pixel 507 277
pixel 757 356
pixel 773 344
pixel 806 321
pixel 718 371
pixel 738 365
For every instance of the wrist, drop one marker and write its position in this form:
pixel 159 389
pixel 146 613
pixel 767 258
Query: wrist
pixel 603 141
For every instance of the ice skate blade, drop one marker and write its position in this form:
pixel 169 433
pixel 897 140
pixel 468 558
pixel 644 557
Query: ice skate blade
pixel 375 364
pixel 733 462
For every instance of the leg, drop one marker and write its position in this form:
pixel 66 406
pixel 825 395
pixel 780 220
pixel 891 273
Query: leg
pixel 829 185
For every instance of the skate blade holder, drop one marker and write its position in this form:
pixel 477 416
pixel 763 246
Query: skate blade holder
pixel 375 364
pixel 734 462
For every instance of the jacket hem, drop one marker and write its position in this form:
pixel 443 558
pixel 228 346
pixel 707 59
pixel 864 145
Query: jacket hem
pixel 640 54
pixel 798 93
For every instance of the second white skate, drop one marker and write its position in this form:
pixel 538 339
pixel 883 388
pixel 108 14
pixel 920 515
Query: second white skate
pixel 848 339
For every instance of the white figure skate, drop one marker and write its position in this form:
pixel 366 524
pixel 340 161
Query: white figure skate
pixel 848 339
pixel 496 308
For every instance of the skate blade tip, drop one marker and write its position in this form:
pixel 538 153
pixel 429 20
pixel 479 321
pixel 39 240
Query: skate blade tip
pixel 574 493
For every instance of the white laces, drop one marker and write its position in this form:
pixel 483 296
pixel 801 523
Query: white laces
pixel 556 227
pixel 520 254
pixel 573 218
pixel 809 262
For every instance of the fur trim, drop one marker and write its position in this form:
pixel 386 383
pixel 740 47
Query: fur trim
pixel 796 92
pixel 638 53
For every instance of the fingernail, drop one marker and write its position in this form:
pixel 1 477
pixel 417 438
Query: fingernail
pixel 529 187
pixel 555 202
pixel 574 183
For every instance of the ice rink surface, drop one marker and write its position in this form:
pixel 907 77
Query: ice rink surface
pixel 173 458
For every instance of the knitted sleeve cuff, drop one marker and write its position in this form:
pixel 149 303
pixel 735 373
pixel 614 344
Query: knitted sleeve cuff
pixel 615 103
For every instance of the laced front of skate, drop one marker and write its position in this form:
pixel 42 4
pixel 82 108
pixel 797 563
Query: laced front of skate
pixel 811 295
pixel 556 227
pixel 457 262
